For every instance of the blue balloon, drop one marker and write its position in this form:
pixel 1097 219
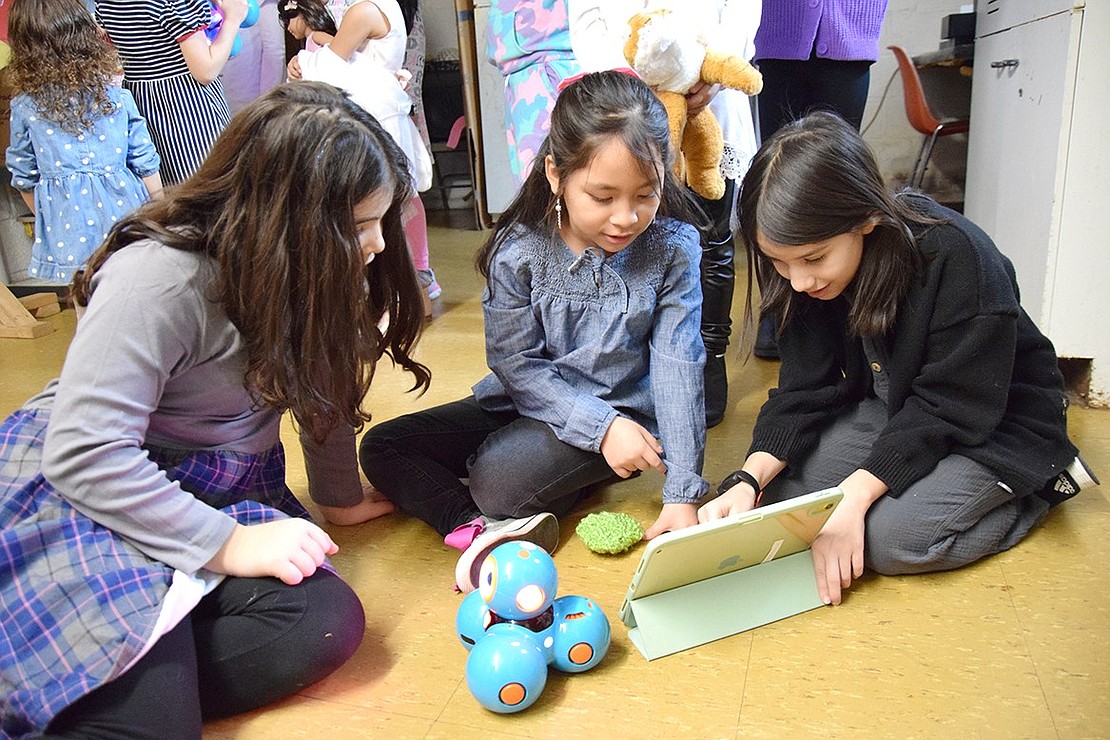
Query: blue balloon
pixel 252 14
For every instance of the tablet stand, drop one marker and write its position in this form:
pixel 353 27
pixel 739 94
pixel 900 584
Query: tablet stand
pixel 724 605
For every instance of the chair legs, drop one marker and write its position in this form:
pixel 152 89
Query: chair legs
pixel 922 162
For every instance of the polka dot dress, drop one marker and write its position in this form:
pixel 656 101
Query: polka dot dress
pixel 83 184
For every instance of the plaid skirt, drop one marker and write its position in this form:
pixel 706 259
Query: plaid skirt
pixel 77 602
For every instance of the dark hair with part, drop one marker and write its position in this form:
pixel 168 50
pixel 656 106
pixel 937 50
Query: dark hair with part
pixel 314 12
pixel 317 16
pixel 588 113
pixel 815 179
pixel 273 207
pixel 62 60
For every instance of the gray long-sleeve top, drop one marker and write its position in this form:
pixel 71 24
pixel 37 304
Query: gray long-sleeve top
pixel 156 361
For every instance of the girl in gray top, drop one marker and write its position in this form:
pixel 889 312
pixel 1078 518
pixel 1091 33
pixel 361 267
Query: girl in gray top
pixel 158 572
pixel 592 312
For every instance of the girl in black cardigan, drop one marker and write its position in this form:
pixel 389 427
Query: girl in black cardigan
pixel 911 377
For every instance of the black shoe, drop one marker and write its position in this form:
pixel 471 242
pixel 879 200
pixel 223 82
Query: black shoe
pixel 766 346
pixel 716 390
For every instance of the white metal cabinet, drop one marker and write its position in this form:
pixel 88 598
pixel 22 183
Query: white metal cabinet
pixel 1039 164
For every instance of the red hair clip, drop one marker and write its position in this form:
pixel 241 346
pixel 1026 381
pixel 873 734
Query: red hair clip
pixel 575 78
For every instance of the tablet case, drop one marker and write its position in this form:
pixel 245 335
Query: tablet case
pixel 664 619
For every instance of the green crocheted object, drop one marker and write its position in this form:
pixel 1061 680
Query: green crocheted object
pixel 609 532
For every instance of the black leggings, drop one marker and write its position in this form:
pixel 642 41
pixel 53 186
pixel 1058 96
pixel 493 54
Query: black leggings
pixel 250 642
pixel 792 88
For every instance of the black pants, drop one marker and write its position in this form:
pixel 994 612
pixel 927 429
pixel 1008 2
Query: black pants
pixel 250 642
pixel 515 465
pixel 791 89
pixel 794 87
pixel 718 277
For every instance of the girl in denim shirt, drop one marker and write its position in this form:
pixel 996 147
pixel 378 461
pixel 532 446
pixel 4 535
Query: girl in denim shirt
pixel 592 311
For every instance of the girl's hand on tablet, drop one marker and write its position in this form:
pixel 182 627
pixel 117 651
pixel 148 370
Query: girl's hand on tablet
pixel 838 549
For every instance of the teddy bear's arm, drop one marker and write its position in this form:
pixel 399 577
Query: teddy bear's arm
pixel 731 71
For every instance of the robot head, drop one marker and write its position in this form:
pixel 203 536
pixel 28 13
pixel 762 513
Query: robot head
pixel 518 580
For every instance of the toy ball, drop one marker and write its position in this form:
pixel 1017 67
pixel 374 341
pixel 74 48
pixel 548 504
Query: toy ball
pixel 507 669
pixel 518 580
pixel 609 532
pixel 581 631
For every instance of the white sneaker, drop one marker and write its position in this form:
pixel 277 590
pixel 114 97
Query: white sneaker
pixel 541 529
pixel 1075 478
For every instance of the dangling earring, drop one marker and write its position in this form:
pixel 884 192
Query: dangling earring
pixel 559 213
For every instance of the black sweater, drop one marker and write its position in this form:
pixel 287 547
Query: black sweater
pixel 968 371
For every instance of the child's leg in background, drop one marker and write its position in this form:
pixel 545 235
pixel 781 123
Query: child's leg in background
pixel 418 460
pixel 718 277
pixel 955 515
pixel 416 234
pixel 524 469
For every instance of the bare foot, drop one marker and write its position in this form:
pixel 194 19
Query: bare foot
pixel 373 505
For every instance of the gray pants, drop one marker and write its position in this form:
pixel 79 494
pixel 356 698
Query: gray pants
pixel 955 515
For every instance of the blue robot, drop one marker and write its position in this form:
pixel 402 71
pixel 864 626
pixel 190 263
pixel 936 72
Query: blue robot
pixel 213 29
pixel 515 628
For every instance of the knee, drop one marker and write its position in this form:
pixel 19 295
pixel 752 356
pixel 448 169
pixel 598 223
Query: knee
pixel 896 549
pixel 338 622
pixel 494 487
pixel 376 450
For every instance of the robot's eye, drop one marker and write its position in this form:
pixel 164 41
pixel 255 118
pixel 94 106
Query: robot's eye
pixel 487 578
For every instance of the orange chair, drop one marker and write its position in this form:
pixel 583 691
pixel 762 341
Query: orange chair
pixel 920 117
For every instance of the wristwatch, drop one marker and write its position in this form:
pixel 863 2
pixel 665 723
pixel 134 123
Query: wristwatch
pixel 740 476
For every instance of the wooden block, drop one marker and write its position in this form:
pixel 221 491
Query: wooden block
pixel 26 331
pixel 48 310
pixel 16 322
pixel 38 300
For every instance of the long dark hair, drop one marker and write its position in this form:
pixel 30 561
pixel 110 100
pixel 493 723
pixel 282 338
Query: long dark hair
pixel 62 60
pixel 273 207
pixel 315 13
pixel 587 114
pixel 317 16
pixel 814 179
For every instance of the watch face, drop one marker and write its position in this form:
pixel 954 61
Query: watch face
pixel 730 480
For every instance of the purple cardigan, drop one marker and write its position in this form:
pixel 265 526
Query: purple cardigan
pixel 844 30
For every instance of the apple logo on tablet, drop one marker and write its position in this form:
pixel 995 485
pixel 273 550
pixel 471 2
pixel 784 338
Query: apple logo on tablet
pixel 730 562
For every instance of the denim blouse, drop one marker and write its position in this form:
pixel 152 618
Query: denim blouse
pixel 573 340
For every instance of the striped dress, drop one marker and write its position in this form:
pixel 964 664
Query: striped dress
pixel 184 116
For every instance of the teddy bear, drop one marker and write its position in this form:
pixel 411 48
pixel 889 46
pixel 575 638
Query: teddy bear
pixel 670 54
